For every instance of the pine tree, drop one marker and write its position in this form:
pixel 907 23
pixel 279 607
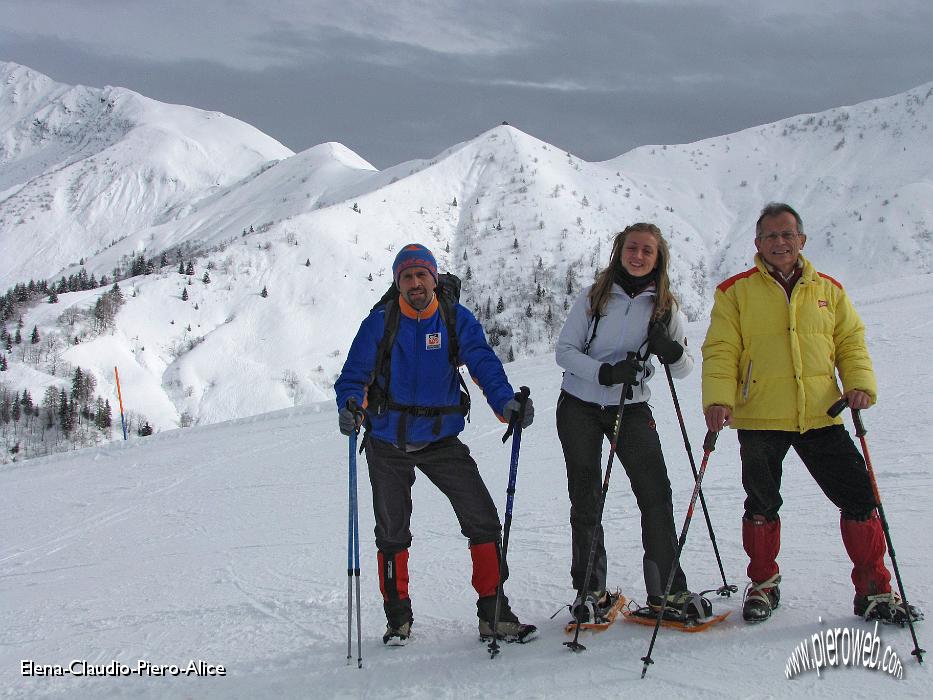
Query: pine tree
pixel 34 336
pixel 528 312
pixel 3 363
pixel 181 267
pixel 65 419
pixel 264 293
pixel 308 262
pixel 454 203
pixel 18 338
pixel 515 244
pixel 116 296
pixel 15 412
pixel 500 306
pixel 189 269
pixel 184 294
pixel 77 383
pixel 206 279
pixel 53 297
pixel 511 354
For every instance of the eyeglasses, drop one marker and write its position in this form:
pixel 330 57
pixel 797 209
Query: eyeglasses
pixel 778 235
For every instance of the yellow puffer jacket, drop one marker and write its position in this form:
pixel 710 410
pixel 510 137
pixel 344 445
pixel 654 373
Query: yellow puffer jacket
pixel 773 362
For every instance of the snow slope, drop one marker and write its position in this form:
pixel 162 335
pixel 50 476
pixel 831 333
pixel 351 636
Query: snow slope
pixel 226 543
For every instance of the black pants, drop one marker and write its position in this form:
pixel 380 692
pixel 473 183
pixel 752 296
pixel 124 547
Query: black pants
pixel 828 453
pixel 449 466
pixel 582 427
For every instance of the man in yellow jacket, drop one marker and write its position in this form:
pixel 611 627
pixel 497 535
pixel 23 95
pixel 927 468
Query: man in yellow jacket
pixel 777 336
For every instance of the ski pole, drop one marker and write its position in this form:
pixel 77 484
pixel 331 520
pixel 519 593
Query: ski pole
pixel 709 444
pixel 591 559
pixel 726 589
pixel 515 427
pixel 353 553
pixel 860 432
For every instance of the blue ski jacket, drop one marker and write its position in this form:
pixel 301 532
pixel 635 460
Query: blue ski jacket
pixel 421 373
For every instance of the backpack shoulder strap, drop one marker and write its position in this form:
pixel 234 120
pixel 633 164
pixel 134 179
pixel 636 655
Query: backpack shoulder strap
pixel 586 346
pixel 448 312
pixel 382 366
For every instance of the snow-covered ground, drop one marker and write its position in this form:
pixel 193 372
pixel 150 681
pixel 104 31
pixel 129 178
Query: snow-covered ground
pixel 226 543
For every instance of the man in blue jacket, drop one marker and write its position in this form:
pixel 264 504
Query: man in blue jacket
pixel 414 414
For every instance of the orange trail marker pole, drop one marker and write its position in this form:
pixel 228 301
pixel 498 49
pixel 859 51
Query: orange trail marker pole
pixel 120 397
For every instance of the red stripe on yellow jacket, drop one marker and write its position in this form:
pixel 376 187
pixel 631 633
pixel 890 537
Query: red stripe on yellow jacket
pixel 723 286
pixel 835 282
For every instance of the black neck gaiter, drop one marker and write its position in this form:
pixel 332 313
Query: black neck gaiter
pixel 632 285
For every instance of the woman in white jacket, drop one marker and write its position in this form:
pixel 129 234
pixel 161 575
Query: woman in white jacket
pixel 629 309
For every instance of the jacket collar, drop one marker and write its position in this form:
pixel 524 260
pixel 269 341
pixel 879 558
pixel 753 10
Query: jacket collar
pixel 617 289
pixel 411 312
pixel 807 269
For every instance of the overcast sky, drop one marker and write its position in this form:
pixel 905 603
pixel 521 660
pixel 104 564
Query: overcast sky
pixel 403 79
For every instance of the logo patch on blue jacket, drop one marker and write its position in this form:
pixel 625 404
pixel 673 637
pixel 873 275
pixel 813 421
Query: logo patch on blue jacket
pixel 432 341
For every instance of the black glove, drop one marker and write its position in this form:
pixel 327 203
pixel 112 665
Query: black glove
pixel 622 372
pixel 661 344
pixel 514 406
pixel 350 418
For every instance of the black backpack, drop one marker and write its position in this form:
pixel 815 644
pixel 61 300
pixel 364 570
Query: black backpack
pixel 379 401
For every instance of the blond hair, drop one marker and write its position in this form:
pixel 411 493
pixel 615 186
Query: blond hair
pixel 664 297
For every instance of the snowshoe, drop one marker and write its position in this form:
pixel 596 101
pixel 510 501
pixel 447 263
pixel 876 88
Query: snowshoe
pixel 684 611
pixel 887 608
pixel 593 606
pixel 682 606
pixel 601 611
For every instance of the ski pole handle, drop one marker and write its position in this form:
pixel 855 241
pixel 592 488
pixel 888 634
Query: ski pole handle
pixel 839 406
pixel 523 394
pixel 709 442
pixel 519 417
pixel 353 406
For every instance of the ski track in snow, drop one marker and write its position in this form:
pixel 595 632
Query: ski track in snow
pixel 227 543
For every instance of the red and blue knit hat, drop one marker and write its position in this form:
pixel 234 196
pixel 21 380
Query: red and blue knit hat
pixel 414 255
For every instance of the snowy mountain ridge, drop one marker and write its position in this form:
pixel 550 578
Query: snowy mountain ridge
pixel 83 167
pixel 515 217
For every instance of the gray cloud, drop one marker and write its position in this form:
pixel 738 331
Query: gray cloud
pixel 593 77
